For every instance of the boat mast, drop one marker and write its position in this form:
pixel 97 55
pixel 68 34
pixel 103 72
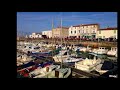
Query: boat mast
pixel 98 41
pixel 61 42
pixel 52 37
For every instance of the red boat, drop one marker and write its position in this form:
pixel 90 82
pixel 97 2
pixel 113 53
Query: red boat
pixel 25 72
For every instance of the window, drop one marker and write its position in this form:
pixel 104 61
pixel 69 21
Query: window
pixel 93 31
pixel 100 36
pixel 99 32
pixel 71 32
pixel 75 31
pixel 86 31
pixel 90 31
pixel 114 31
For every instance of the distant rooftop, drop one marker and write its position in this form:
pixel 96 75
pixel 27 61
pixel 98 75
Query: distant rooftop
pixel 109 28
pixel 76 26
pixel 85 25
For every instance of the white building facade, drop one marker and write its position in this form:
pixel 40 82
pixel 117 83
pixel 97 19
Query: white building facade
pixel 84 30
pixel 88 30
pixel 35 35
pixel 47 33
pixel 74 31
pixel 109 32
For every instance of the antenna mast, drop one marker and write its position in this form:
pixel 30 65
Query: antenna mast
pixel 61 42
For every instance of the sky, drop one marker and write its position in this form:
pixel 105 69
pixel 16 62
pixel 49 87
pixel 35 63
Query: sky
pixel 42 21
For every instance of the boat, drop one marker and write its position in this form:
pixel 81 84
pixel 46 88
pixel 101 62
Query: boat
pixel 111 58
pixel 41 72
pixel 112 52
pixel 101 56
pixel 101 50
pixel 25 65
pixel 19 57
pixel 25 72
pixel 71 60
pixel 19 63
pixel 40 54
pixel 58 58
pixel 23 59
pixel 86 49
pixel 116 55
pixel 105 67
pixel 59 73
pixel 88 64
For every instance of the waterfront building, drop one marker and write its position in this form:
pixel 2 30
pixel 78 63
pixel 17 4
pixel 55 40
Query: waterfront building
pixel 47 33
pixel 60 32
pixel 109 32
pixel 74 31
pixel 35 35
pixel 84 30
pixel 89 30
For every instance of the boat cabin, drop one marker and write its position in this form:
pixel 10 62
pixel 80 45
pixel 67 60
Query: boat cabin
pixel 113 48
pixel 102 48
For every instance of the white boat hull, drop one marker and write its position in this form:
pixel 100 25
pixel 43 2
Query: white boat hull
pixel 100 52
pixel 98 69
pixel 41 72
pixel 116 55
pixel 112 53
pixel 71 60
pixel 87 65
pixel 59 59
